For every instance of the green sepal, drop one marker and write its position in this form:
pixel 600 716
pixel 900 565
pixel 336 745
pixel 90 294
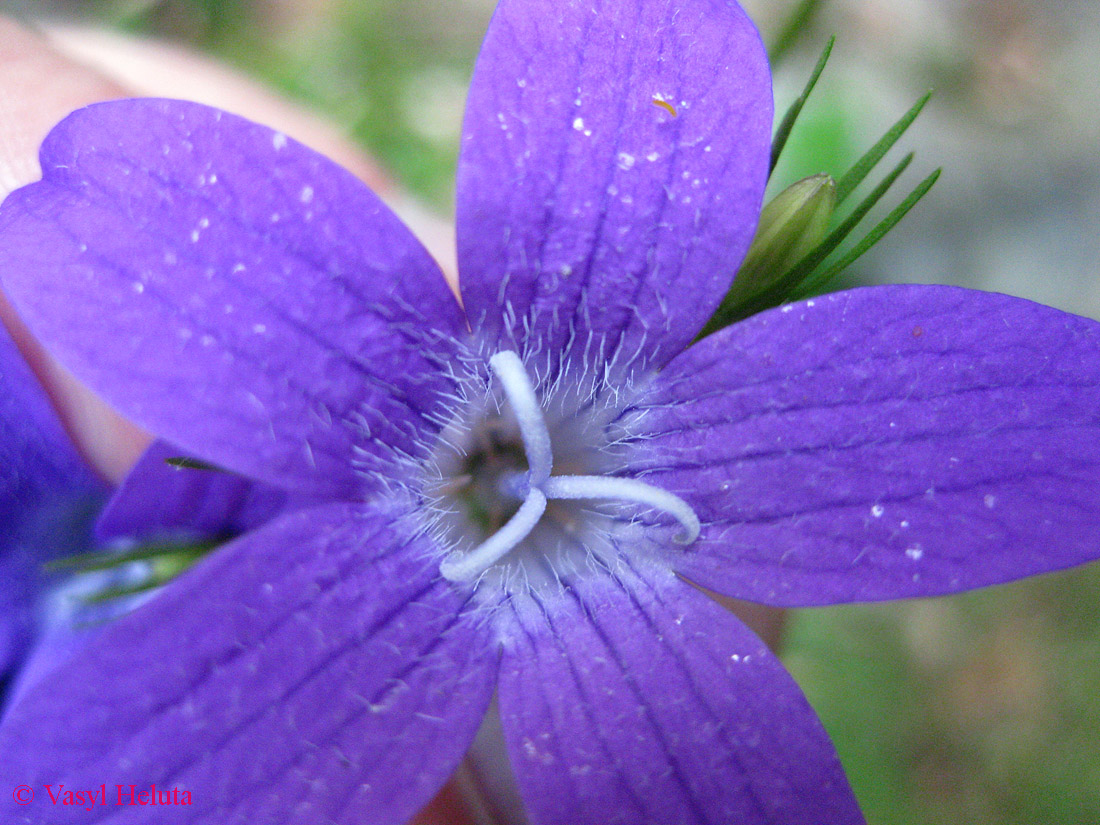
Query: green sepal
pixel 805 268
pixel 819 280
pixel 181 462
pixel 782 288
pixel 164 560
pixel 793 27
pixel 787 124
pixel 860 169
pixel 110 559
pixel 774 273
pixel 161 570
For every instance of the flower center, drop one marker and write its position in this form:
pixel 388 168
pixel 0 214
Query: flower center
pixel 495 478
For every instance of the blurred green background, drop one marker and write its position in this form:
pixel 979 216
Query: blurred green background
pixel 974 709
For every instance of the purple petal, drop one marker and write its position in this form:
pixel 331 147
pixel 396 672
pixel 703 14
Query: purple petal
pixel 647 702
pixel 881 443
pixel 66 620
pixel 317 670
pixel 230 290
pixel 46 494
pixel 584 204
pixel 158 500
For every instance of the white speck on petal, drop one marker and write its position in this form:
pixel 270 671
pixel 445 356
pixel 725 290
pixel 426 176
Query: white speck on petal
pixel 578 123
pixel 905 523
pixel 565 271
pixel 915 552
pixel 653 156
pixel 306 195
pixel 278 140
pixel 194 236
pixel 626 161
pixel 990 501
pixel 877 510
pixel 532 751
pixel 259 329
pixel 139 287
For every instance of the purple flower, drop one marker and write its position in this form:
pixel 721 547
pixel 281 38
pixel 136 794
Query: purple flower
pixel 514 493
pixel 47 496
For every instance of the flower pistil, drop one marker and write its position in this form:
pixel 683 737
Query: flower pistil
pixel 536 486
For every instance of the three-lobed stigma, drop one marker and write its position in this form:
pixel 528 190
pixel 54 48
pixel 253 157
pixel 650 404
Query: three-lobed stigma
pixel 537 485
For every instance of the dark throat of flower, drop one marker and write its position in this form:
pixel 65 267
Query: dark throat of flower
pixel 537 486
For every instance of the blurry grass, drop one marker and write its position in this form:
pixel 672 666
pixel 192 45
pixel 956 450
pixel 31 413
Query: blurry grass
pixel 393 74
pixel 978 709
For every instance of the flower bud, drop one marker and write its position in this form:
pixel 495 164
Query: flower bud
pixel 791 225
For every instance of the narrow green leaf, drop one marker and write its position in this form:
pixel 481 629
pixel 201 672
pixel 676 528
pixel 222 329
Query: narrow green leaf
pixel 787 124
pixel 162 569
pixel 797 23
pixel 121 590
pixel 872 237
pixel 854 176
pixel 184 463
pixel 107 559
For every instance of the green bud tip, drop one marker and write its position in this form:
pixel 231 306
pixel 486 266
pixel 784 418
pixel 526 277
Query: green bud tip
pixel 791 225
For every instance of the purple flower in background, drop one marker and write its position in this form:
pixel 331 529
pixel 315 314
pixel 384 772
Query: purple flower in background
pixel 47 496
pixel 512 493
